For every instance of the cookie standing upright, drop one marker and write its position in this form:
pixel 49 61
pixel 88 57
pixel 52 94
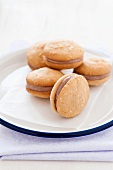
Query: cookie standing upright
pixel 69 95
pixel 35 56
pixel 63 54
pixel 95 70
pixel 40 82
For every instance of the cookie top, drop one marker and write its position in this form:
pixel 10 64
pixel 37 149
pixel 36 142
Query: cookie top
pixel 63 50
pixel 43 77
pixel 70 95
pixel 93 66
pixel 34 55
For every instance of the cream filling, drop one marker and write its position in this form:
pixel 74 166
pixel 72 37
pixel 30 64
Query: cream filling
pixel 64 62
pixel 63 83
pixel 98 77
pixel 39 88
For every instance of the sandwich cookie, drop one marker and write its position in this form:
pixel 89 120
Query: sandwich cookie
pixel 96 71
pixel 34 56
pixel 69 95
pixel 63 54
pixel 40 82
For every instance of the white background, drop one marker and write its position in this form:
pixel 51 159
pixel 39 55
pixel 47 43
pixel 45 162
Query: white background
pixel 88 22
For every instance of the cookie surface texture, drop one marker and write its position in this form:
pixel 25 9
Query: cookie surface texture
pixel 70 95
pixel 35 56
pixel 40 82
pixel 95 70
pixel 63 54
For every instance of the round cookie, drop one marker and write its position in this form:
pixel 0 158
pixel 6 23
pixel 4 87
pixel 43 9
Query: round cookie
pixel 40 82
pixel 69 95
pixel 63 54
pixel 95 70
pixel 35 56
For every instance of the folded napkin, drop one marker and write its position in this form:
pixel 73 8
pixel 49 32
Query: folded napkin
pixel 17 146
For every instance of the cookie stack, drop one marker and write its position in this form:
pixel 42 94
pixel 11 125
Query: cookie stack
pixel 68 93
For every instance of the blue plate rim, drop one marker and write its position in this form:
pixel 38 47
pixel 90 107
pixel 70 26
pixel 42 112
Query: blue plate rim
pixel 56 135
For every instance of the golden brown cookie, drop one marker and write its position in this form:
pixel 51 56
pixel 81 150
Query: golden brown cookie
pixel 40 82
pixel 35 56
pixel 63 54
pixel 95 70
pixel 69 95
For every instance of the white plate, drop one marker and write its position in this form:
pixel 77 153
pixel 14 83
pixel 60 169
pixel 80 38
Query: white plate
pixel 27 114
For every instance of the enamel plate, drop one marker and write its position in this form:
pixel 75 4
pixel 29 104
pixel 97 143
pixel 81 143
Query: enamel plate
pixel 24 113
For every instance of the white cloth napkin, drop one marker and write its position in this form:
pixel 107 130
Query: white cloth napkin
pixel 17 146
